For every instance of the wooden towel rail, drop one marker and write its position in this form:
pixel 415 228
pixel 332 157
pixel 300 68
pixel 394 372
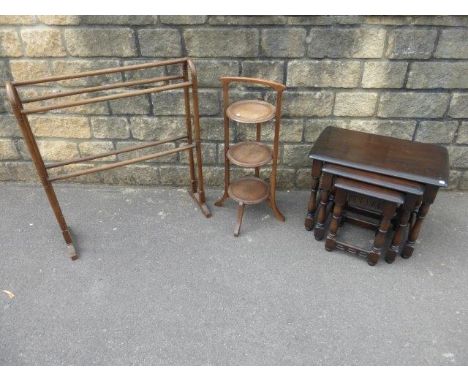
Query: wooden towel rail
pixel 187 81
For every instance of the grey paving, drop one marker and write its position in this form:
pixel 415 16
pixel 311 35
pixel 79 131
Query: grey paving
pixel 158 284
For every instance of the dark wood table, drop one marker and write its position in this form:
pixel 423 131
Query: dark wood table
pixel 424 163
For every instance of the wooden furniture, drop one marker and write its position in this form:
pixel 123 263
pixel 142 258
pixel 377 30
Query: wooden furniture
pixel 423 163
pixel 391 200
pixel 251 189
pixel 411 191
pixel 190 139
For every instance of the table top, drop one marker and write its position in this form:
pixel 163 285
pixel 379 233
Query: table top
pixel 420 162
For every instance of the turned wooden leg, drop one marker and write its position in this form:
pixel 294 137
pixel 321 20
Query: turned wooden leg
pixel 428 198
pixel 404 217
pixel 414 233
pixel 379 241
pixel 325 187
pixel 240 214
pixel 312 205
pixel 340 199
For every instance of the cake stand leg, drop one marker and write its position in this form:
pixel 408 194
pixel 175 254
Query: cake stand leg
pixel 240 214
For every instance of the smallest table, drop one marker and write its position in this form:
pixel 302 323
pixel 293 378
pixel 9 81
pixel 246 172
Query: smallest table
pixel 423 163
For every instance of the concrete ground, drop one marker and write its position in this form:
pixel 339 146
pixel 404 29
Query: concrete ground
pixel 159 284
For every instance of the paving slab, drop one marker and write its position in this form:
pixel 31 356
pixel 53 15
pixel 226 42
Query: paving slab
pixel 159 284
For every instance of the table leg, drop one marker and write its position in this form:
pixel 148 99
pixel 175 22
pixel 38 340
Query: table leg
pixel 312 206
pixel 428 198
pixel 407 208
pixel 340 200
pixel 325 187
pixel 388 212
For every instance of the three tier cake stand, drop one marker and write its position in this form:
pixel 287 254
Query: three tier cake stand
pixel 251 154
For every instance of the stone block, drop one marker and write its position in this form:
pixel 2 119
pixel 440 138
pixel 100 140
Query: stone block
pixel 324 73
pixel 247 20
pixel 436 131
pixel 459 106
pixel 355 104
pixel 304 178
pixel 172 103
pixel 17 20
pixel 462 136
pixel 283 42
pixel 4 72
pixel 59 20
pixel 213 176
pixel 110 127
pixel 212 128
pixel 95 148
pixel 60 126
pixel 412 104
pixel 8 150
pixel 296 155
pixel 221 42
pixel 18 171
pixel 9 126
pixel 131 105
pixel 384 74
pixel 307 104
pixel 160 42
pixel 438 75
pixel 452 44
pixel 454 180
pixel 411 43
pixel 458 156
pixel 10 43
pixel 270 70
pixel 349 42
pixel 119 20
pixel 157 128
pixel 182 20
pixel 53 150
pixel 314 127
pixel 22 70
pixel 325 20
pixel 43 42
pixel 174 176
pixel 91 42
pixel 209 71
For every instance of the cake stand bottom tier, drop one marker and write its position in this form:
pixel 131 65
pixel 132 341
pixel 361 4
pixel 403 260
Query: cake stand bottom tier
pixel 249 190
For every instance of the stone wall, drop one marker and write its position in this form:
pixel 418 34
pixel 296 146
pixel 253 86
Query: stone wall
pixel 401 76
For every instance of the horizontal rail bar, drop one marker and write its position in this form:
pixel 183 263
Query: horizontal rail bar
pixel 114 152
pixel 122 163
pixel 100 72
pixel 92 89
pixel 86 101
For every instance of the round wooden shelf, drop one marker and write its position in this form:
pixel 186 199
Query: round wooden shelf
pixel 251 111
pixel 250 154
pixel 249 190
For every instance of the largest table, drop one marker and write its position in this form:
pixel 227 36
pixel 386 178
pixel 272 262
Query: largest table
pixel 424 163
